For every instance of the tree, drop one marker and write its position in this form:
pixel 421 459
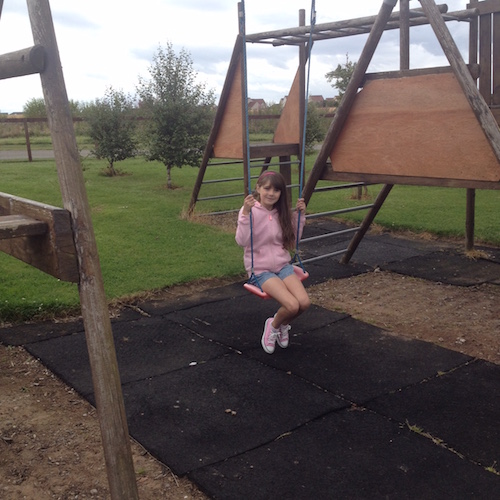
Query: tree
pixel 179 111
pixel 111 127
pixel 35 108
pixel 341 76
pixel 314 131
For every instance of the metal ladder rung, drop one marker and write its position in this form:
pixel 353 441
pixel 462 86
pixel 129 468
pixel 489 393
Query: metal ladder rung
pixel 222 212
pixel 221 196
pixel 341 186
pixel 327 235
pixel 312 259
pixel 340 211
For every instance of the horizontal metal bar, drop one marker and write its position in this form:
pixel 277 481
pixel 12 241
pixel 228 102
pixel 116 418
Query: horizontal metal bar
pixel 221 196
pixel 231 162
pixel 218 163
pixel 341 186
pixel 222 212
pixel 326 255
pixel 341 211
pixel 327 235
pixel 228 179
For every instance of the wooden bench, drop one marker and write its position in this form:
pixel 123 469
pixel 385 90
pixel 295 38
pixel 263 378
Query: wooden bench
pixel 38 234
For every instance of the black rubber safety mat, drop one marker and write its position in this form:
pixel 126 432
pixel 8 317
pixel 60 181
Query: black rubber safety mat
pixel 27 333
pixel 144 348
pixel 358 361
pixel 208 412
pixel 318 273
pixel 448 267
pixel 348 454
pixel 213 295
pixel 239 323
pixel 461 408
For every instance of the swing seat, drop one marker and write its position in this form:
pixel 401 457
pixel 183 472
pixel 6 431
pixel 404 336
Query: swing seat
pixel 299 272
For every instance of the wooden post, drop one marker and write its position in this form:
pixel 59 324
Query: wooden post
pixel 27 137
pixel 470 209
pixel 302 86
pixel 348 99
pixel 365 225
pixel 244 99
pixel 404 34
pixel 100 344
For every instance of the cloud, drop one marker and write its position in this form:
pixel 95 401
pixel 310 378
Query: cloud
pixel 104 44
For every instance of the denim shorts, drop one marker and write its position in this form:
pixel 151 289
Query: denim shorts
pixel 282 274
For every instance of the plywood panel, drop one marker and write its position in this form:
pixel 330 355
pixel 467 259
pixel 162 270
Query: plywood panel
pixel 418 126
pixel 288 130
pixel 229 141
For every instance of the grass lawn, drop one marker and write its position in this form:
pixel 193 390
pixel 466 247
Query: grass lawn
pixel 145 242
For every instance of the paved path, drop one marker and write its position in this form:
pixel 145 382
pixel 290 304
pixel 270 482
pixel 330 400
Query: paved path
pixel 36 154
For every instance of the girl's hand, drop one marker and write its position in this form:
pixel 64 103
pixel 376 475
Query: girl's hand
pixel 301 206
pixel 248 204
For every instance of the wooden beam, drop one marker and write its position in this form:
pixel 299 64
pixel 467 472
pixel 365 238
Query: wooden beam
pixel 407 180
pixel 23 62
pixel 94 305
pixel 486 7
pixel 264 150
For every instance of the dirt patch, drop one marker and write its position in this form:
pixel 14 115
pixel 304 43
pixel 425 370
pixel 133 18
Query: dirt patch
pixel 50 446
pixel 49 437
pixel 464 319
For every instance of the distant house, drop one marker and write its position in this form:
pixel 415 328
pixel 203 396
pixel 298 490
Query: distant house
pixel 256 105
pixel 317 99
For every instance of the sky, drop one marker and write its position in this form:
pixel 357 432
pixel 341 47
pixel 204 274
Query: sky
pixel 111 43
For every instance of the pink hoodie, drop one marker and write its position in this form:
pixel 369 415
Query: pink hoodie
pixel 268 251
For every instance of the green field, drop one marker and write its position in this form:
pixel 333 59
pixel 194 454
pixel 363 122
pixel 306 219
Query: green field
pixel 146 243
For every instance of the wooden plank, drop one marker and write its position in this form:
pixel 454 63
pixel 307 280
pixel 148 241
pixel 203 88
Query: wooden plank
pixel 421 126
pixel 228 143
pixel 265 150
pixel 51 250
pixel 403 73
pixel 288 128
pixel 15 226
pixel 469 87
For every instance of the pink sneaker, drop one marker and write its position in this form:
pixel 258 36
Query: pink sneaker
pixel 283 337
pixel 269 336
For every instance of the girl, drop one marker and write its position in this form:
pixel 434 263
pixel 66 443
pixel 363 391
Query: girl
pixel 274 230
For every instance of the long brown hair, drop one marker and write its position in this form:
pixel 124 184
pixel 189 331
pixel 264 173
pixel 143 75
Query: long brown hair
pixel 278 182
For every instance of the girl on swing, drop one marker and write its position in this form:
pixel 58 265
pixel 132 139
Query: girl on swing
pixel 274 231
